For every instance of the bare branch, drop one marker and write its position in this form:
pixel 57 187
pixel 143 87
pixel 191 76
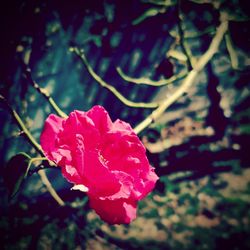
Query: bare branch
pixel 185 49
pixel 37 146
pixel 189 80
pixel 146 81
pixel 45 93
pixel 22 126
pixel 112 89
pixel 232 52
pixel 50 188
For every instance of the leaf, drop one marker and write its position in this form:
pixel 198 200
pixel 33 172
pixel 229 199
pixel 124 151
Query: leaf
pixel 15 172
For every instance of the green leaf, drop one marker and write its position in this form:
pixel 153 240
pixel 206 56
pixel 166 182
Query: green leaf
pixel 15 172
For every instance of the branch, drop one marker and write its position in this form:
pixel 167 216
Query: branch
pixel 146 81
pixel 112 89
pixel 47 164
pixel 193 34
pixel 165 3
pixel 31 161
pixel 22 126
pixel 35 144
pixel 181 36
pixel 45 93
pixel 49 187
pixel 188 81
pixel 231 50
pixel 213 48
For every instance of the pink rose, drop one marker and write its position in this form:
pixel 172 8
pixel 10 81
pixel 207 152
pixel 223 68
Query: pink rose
pixel 105 159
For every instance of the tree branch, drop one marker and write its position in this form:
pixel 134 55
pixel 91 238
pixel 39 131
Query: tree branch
pixel 38 148
pixel 50 188
pixel 189 80
pixel 112 89
pixel 181 36
pixel 45 93
pixel 22 126
pixel 146 81
pixel 232 52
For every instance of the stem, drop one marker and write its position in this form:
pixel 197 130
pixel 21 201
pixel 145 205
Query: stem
pixel 49 164
pixel 182 42
pixel 208 30
pixel 162 3
pixel 189 80
pixel 37 147
pixel 231 50
pixel 31 162
pixel 112 89
pixel 38 159
pixel 22 126
pixel 146 81
pixel 45 93
pixel 213 48
pixel 49 187
pixel 26 131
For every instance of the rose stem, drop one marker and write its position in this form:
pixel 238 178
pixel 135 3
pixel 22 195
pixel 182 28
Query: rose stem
pixel 38 148
pixel 45 93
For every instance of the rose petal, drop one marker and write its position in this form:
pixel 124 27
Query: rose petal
pixel 79 123
pixel 127 154
pixel 126 185
pixel 49 135
pixel 70 173
pixel 122 127
pixel 101 118
pixel 148 184
pixel 115 212
pixel 106 159
pixel 100 180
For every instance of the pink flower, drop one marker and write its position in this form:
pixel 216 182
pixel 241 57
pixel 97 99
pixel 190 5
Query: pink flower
pixel 105 159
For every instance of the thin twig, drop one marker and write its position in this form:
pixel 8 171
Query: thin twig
pixel 209 30
pixel 47 164
pixel 189 80
pixel 231 50
pixel 34 143
pixel 182 41
pixel 22 126
pixel 50 188
pixel 193 34
pixel 112 89
pixel 45 93
pixel 162 3
pixel 37 169
pixel 146 81
pixel 31 161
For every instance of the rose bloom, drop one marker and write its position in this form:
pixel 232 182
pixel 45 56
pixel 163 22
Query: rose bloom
pixel 105 159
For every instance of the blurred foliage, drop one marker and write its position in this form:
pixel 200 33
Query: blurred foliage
pixel 199 146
